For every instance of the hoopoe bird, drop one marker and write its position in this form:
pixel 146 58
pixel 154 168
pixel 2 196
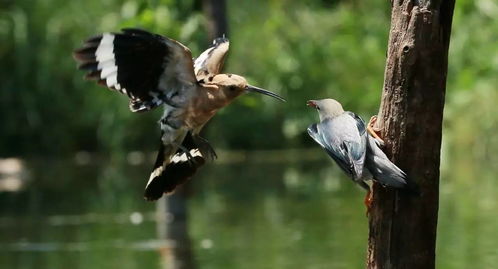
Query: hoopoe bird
pixel 153 70
pixel 356 148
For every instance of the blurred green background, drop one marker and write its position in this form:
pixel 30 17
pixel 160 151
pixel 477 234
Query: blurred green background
pixel 86 156
pixel 301 49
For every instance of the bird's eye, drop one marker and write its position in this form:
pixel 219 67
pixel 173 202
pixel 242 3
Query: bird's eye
pixel 317 107
pixel 232 88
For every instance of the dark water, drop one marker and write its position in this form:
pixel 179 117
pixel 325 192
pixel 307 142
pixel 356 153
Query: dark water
pixel 258 213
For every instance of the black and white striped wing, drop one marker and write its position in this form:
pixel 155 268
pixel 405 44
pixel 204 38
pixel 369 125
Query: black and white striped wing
pixel 149 68
pixel 210 62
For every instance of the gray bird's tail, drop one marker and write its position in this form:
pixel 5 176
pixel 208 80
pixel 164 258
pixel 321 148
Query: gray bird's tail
pixel 171 171
pixel 386 172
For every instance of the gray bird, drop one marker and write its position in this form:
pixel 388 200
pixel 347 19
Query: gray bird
pixel 344 136
pixel 154 70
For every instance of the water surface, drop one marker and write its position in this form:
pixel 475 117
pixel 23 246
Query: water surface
pixel 255 213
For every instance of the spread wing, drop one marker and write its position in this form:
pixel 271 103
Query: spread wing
pixel 344 139
pixel 149 68
pixel 210 62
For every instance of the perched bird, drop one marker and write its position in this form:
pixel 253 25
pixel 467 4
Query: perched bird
pixel 153 71
pixel 343 135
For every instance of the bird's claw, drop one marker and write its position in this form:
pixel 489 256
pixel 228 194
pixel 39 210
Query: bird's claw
pixel 206 149
pixel 372 130
pixel 191 160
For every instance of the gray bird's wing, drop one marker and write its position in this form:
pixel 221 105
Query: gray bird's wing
pixel 210 62
pixel 149 68
pixel 344 139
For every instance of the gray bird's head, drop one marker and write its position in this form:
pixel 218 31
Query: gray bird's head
pixel 234 85
pixel 327 108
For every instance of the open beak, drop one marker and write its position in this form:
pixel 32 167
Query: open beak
pixel 311 103
pixel 265 92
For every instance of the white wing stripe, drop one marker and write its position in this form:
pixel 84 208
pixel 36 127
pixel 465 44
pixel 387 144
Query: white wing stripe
pixel 105 50
pixel 106 72
pixel 106 64
pixel 106 61
pixel 112 79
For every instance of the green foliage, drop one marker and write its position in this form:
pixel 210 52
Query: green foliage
pixel 301 49
pixel 304 53
pixel 47 107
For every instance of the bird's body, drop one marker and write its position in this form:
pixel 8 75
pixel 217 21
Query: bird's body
pixel 344 136
pixel 153 71
pixel 344 143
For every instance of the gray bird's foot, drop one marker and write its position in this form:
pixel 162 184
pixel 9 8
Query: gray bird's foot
pixel 205 148
pixel 373 130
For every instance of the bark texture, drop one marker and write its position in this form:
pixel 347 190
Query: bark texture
pixel 403 227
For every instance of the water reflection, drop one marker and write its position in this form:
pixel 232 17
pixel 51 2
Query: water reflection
pixel 172 226
pixel 264 212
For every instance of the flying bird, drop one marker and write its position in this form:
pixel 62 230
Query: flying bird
pixel 355 148
pixel 153 70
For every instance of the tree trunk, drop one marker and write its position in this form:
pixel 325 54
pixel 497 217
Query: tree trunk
pixel 403 227
pixel 216 18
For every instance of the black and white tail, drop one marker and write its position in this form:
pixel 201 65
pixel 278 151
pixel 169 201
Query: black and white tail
pixel 171 171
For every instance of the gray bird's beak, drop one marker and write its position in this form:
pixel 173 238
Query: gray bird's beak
pixel 265 92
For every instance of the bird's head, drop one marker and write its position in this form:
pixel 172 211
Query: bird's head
pixel 234 85
pixel 327 108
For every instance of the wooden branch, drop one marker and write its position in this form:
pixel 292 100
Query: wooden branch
pixel 403 227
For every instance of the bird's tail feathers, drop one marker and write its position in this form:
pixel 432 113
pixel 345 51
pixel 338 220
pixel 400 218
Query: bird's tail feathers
pixel 388 174
pixel 172 170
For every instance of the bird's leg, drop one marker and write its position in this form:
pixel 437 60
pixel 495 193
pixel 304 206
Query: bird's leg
pixel 369 197
pixel 368 200
pixel 206 149
pixel 373 130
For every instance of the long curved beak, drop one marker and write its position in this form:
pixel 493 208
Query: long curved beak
pixel 265 92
